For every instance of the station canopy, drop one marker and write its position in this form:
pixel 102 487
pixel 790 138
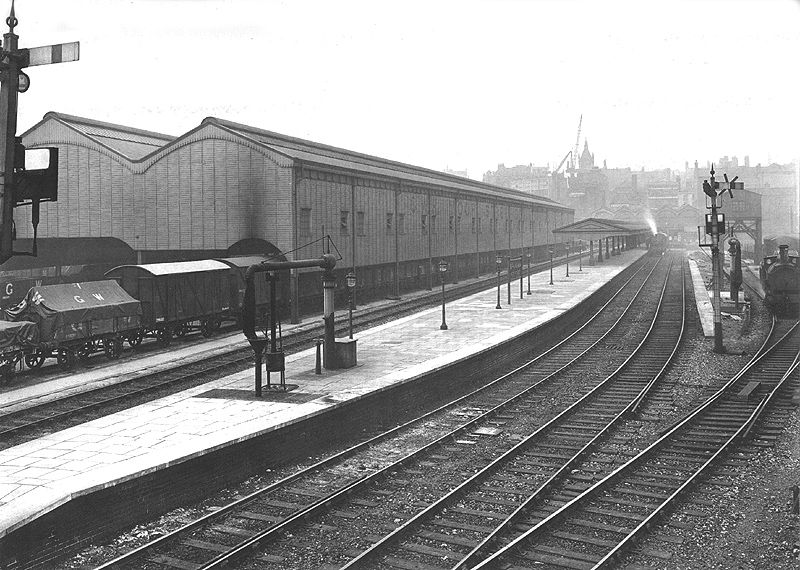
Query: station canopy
pixel 600 228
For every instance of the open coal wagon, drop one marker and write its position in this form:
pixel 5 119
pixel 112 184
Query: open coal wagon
pixel 75 320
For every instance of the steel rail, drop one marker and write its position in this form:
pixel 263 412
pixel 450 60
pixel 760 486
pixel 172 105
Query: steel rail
pixel 741 433
pixel 472 557
pixel 374 550
pixel 254 541
pixel 765 346
pixel 636 404
pixel 645 454
pixel 122 559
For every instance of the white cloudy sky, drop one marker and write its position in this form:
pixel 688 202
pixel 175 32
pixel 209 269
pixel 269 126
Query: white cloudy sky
pixel 465 84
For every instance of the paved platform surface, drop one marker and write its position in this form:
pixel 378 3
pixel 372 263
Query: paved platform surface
pixel 703 295
pixel 40 475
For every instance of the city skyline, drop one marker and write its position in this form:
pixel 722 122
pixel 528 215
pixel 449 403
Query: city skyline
pixel 465 85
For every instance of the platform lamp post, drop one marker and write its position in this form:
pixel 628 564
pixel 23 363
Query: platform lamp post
pixel 442 271
pixel 351 285
pixel 566 247
pixel 551 252
pixel 528 255
pixel 498 262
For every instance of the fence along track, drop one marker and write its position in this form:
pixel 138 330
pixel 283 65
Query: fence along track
pixel 657 477
pixel 277 524
pixel 575 428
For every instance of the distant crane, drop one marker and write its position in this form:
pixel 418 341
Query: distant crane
pixel 563 160
pixel 577 140
pixel 556 186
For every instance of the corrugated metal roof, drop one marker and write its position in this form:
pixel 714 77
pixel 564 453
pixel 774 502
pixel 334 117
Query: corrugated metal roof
pixel 179 267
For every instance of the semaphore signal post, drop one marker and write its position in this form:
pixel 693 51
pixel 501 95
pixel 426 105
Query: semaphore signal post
pixel 715 225
pixel 18 187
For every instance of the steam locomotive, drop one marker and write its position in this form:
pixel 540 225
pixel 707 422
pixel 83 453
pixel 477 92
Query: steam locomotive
pixel 779 277
pixel 658 244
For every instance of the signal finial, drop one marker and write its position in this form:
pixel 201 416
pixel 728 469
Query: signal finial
pixel 12 19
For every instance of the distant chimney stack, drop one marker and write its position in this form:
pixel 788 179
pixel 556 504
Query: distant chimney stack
pixel 746 161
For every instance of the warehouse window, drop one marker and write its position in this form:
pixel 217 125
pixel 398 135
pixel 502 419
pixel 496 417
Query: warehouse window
pixel 473 225
pixel 389 222
pixel 451 223
pixel 344 222
pixel 360 224
pixel 479 225
pixel 424 223
pixel 305 221
pixel 401 223
pixel 433 223
pixel 458 223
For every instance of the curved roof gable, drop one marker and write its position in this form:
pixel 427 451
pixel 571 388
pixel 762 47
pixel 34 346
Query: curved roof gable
pixel 129 142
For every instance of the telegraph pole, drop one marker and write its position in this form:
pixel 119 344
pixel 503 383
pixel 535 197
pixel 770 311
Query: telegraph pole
pixel 15 81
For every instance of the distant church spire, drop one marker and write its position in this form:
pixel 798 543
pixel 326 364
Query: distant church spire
pixel 586 160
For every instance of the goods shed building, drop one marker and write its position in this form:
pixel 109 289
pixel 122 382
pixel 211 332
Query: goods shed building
pixel 225 188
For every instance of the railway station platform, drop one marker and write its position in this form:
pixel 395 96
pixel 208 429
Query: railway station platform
pixel 42 475
pixel 703 293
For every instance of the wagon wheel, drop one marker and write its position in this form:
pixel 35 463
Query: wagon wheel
pixel 207 328
pixel 84 351
pixel 164 336
pixel 181 331
pixel 35 360
pixel 112 347
pixel 65 358
pixel 135 339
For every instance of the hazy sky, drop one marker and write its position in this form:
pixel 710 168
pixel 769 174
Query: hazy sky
pixel 460 84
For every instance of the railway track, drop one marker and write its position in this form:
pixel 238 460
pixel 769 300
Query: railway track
pixel 19 426
pixel 594 528
pixel 340 485
pixel 495 499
